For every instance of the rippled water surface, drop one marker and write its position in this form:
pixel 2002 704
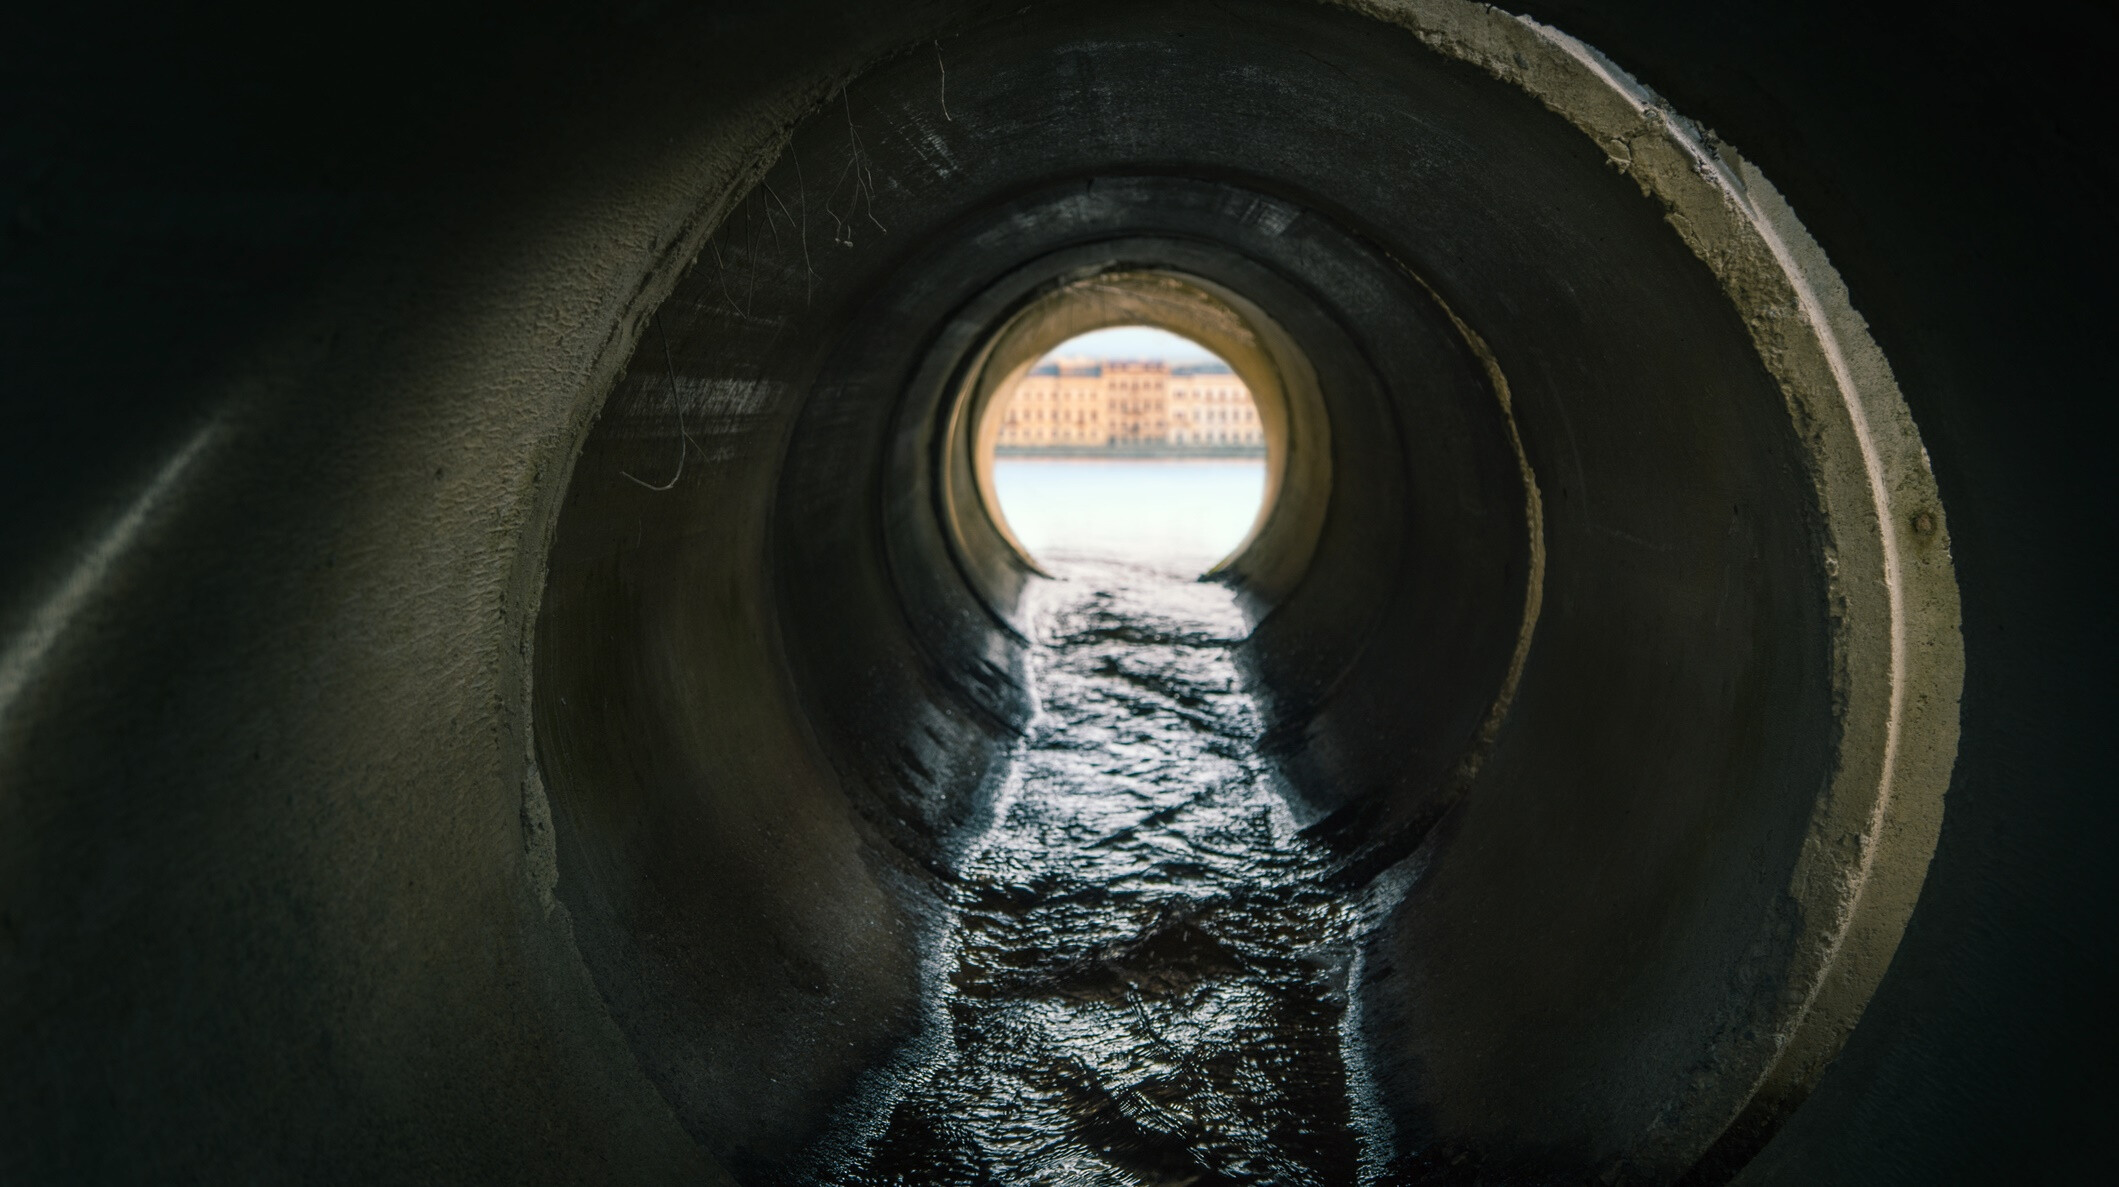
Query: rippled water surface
pixel 1147 978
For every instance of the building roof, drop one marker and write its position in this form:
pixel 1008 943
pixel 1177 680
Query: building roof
pixel 1095 367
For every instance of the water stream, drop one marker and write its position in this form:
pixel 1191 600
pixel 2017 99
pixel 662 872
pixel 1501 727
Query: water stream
pixel 1147 977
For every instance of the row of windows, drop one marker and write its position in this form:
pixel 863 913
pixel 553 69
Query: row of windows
pixel 1130 409
pixel 1218 394
pixel 1033 395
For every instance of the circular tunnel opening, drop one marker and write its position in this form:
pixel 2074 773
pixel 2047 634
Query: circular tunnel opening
pixel 1567 668
pixel 1128 444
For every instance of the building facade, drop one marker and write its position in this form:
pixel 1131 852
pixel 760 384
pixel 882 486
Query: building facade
pixel 1130 406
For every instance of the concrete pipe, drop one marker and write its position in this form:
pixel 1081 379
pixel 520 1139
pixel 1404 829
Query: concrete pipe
pixel 523 714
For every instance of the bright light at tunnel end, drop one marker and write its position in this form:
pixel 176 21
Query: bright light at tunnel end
pixel 1129 444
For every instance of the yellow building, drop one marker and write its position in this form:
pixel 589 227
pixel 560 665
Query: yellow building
pixel 1212 409
pixel 1092 405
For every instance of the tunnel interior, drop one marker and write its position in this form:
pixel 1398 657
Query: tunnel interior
pixel 1544 620
pixel 512 667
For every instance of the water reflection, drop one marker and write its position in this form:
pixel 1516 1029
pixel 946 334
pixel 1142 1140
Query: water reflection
pixel 1148 981
pixel 1178 517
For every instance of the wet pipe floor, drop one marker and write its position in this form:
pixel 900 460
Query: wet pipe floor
pixel 1146 982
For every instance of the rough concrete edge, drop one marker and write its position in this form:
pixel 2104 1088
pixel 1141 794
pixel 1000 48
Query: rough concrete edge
pixel 1904 818
pixel 543 504
pixel 1898 680
pixel 703 204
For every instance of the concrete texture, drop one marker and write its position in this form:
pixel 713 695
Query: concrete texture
pixel 506 639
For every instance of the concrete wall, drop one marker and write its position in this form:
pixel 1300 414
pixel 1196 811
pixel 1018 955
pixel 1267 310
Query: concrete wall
pixel 488 695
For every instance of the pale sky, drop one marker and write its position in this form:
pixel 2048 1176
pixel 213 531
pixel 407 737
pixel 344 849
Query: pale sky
pixel 1134 342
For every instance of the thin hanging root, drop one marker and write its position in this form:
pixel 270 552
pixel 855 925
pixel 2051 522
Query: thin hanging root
pixel 944 70
pixel 685 443
pixel 864 177
pixel 802 228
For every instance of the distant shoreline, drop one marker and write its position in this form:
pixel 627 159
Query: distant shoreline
pixel 1160 453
